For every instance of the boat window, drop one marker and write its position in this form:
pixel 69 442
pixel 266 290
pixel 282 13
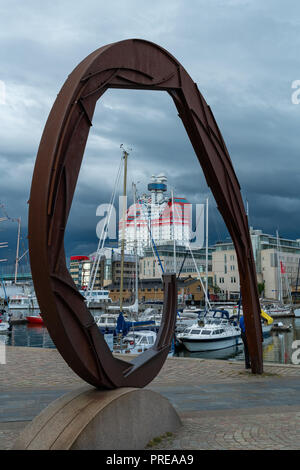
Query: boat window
pixel 195 332
pixel 221 331
pixel 205 332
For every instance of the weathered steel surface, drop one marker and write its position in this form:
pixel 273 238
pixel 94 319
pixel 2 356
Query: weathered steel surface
pixel 130 64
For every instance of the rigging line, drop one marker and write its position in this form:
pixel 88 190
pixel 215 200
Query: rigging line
pixel 103 235
pixel 153 246
pixel 214 219
pixel 182 264
pixel 104 230
pixel 202 285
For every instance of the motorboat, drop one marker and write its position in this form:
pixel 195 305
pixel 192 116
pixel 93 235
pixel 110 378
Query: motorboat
pixel 19 301
pixel 5 327
pixel 136 342
pixel 96 296
pixel 210 335
pixel 277 310
pixel 107 322
pixel 35 319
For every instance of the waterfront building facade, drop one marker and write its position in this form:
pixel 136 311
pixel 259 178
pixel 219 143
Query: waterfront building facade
pixel 276 260
pixel 182 261
pixel 190 291
pixel 109 269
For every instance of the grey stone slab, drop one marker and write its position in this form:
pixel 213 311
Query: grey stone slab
pixel 24 405
pixel 233 395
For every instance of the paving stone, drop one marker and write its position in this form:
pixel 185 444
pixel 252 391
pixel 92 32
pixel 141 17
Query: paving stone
pixel 222 405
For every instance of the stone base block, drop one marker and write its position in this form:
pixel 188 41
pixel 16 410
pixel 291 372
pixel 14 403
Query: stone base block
pixel 88 419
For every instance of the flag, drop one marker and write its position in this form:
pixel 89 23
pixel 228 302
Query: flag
pixel 282 268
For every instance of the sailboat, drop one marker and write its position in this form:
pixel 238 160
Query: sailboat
pixel 279 309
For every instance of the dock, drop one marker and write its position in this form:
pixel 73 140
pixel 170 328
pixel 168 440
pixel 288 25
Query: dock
pixel 221 405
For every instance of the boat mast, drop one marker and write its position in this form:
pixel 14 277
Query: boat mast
pixel 206 255
pixel 297 280
pixel 136 251
pixel 17 250
pixel 174 241
pixel 125 157
pixel 278 270
pixel 102 239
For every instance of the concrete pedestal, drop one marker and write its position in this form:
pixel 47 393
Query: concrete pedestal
pixel 88 419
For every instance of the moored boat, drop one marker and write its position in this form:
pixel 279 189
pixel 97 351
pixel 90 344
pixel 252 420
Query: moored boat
pixel 209 336
pixel 5 327
pixel 35 319
pixel 136 342
pixel 19 301
pixel 297 312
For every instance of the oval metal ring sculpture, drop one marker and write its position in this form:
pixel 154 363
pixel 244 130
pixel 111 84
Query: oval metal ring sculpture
pixel 130 64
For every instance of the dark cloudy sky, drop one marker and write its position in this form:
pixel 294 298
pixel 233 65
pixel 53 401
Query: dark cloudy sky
pixel 243 54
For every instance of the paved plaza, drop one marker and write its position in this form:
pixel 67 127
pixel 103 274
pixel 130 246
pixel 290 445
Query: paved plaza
pixel 222 406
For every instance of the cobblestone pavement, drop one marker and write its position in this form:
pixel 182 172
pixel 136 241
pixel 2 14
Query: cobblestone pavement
pixel 221 405
pixel 251 431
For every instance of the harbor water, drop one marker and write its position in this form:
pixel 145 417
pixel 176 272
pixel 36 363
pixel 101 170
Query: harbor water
pixel 278 347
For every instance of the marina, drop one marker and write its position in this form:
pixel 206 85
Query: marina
pixel 150 252
pixel 277 345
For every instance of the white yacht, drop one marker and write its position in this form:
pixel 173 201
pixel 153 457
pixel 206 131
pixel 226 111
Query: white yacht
pixel 212 335
pixel 136 342
pixel 97 296
pixel 19 301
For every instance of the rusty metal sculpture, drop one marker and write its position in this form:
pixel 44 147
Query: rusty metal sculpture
pixel 130 64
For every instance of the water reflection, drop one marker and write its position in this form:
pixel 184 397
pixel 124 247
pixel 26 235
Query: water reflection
pixel 35 336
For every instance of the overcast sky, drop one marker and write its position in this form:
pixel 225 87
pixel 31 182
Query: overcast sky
pixel 244 56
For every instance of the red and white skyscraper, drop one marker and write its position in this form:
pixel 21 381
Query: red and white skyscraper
pixel 157 215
